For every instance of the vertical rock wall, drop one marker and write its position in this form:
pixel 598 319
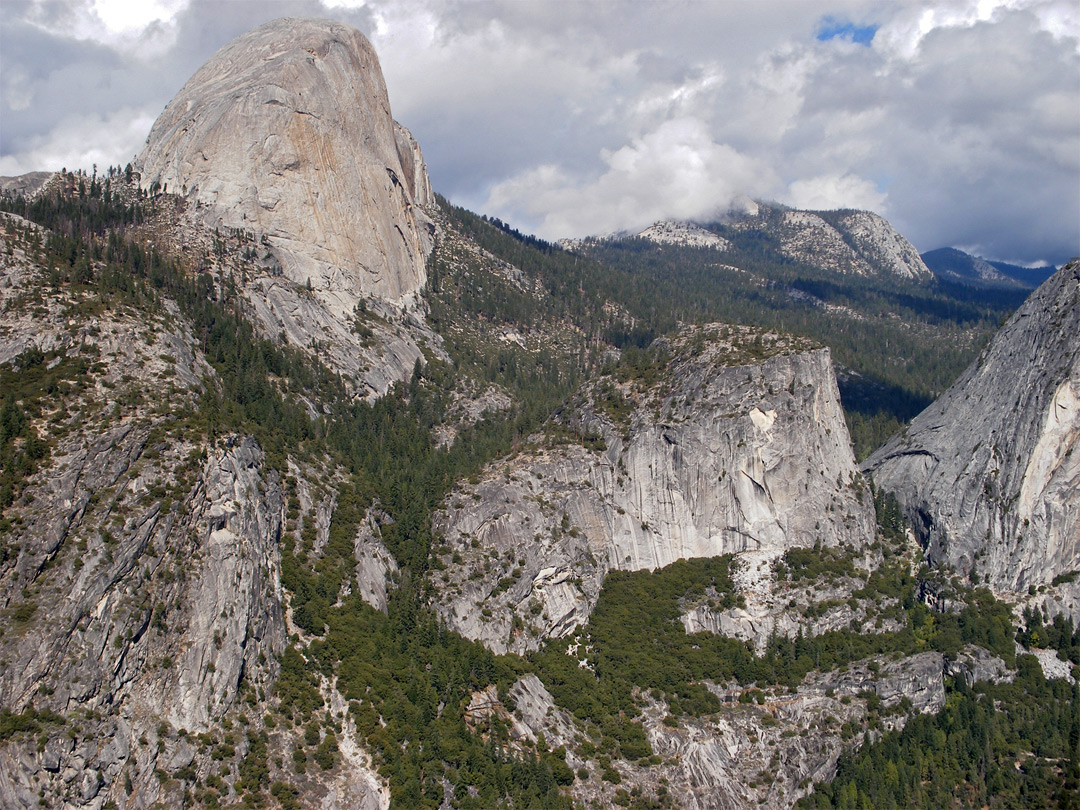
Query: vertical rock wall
pixel 990 473
pixel 715 459
pixel 287 132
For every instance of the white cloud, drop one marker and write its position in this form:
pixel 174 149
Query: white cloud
pixel 832 191
pixel 141 28
pixel 80 141
pixel 961 116
pixel 16 88
pixel 903 34
pixel 674 172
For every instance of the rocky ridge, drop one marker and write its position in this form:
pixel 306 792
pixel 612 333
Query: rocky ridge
pixel 849 242
pixel 725 455
pixel 141 590
pixel 990 473
pixel 957 266
pixel 686 234
pixel 154 654
pixel 760 752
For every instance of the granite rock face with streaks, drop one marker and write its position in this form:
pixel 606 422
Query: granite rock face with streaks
pixel 287 132
pixel 141 584
pixel 990 473
pixel 722 456
pixel 756 754
pixel 849 242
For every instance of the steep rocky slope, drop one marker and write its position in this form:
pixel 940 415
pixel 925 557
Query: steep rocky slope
pixel 180 597
pixel 849 242
pixel 712 450
pixel 230 573
pixel 372 345
pixel 990 473
pixel 287 132
pixel 141 582
pixel 758 753
pixel 282 147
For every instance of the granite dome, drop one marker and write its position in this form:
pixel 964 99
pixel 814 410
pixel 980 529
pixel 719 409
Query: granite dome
pixel 287 132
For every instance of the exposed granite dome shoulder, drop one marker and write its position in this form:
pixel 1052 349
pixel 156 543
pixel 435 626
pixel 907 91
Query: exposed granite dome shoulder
pixel 990 473
pixel 726 454
pixel 287 132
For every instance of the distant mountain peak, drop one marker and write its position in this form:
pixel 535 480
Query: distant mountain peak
pixel 848 241
pixel 952 264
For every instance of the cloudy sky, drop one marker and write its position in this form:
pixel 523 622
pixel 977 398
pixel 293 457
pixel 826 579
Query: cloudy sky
pixel 958 120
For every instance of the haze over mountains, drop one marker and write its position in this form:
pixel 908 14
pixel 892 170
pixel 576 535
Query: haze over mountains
pixel 318 491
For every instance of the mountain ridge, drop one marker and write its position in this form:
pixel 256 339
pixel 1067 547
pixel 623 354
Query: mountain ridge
pixel 238 517
pixel 956 265
pixel 843 241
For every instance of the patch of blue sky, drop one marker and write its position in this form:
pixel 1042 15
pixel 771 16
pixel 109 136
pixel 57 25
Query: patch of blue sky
pixel 834 28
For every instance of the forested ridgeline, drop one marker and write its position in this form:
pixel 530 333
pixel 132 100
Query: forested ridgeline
pixel 896 344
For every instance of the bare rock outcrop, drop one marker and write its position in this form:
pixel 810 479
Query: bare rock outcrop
pixel 758 753
pixel 850 242
pixel 139 561
pixel 287 132
pixel 725 455
pixel 27 184
pixel 880 244
pixel 685 234
pixel 990 473
pixel 772 607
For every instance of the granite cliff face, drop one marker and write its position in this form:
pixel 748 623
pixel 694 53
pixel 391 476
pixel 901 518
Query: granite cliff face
pixel 726 454
pixel 141 585
pixel 282 149
pixel 990 473
pixel 287 132
pixel 198 601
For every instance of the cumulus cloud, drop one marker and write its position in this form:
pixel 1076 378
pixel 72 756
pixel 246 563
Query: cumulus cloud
pixel 80 141
pixel 141 28
pixel 958 119
pixel 676 171
pixel 834 191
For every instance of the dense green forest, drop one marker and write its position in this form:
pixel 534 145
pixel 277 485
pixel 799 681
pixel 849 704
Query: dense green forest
pixel 407 679
pixel 993 745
